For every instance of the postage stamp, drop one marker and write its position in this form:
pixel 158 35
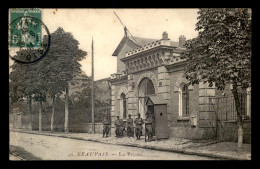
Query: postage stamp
pixel 26 30
pixel 28 35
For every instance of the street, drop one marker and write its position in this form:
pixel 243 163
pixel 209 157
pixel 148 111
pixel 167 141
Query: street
pixel 57 148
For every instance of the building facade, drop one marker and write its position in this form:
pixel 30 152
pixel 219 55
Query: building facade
pixel 150 67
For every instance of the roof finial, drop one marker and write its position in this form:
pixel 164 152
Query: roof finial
pixel 165 35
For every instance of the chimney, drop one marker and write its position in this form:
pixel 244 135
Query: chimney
pixel 182 41
pixel 165 40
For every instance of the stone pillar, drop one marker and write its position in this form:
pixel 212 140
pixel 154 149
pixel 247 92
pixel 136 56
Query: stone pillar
pixel 164 87
pixel 132 101
pixel 206 115
pixel 112 112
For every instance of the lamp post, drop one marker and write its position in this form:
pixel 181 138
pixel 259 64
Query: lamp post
pixel 92 91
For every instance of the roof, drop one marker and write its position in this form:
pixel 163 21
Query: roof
pixel 145 41
pixel 140 41
pixel 121 45
pixel 104 79
pixel 156 99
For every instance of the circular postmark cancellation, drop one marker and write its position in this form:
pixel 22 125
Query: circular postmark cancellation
pixel 29 37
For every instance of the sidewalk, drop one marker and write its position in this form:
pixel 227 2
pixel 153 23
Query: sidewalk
pixel 209 148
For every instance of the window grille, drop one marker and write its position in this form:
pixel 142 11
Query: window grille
pixel 185 100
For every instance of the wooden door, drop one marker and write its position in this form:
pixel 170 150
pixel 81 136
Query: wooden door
pixel 161 120
pixel 151 110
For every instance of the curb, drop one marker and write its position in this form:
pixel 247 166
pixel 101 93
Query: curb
pixel 182 151
pixel 15 155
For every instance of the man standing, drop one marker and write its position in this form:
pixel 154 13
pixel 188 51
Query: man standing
pixel 138 126
pixel 121 128
pixel 106 124
pixel 148 126
pixel 118 125
pixel 130 125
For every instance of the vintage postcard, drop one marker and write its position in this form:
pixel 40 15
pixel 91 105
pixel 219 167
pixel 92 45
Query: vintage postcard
pixel 129 84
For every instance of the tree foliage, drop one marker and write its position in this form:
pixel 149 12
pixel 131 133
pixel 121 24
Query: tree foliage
pixel 222 51
pixel 50 75
pixel 62 61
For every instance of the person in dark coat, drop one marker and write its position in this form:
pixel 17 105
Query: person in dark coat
pixel 121 128
pixel 130 126
pixel 148 126
pixel 138 126
pixel 106 124
pixel 118 125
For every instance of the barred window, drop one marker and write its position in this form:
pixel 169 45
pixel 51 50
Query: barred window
pixel 183 100
pixel 123 106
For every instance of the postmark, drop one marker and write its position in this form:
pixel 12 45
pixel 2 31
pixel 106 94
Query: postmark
pixel 29 37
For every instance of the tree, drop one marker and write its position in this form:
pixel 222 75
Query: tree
pixel 62 65
pixel 49 76
pixel 40 92
pixel 26 81
pixel 16 92
pixel 221 53
pixel 21 84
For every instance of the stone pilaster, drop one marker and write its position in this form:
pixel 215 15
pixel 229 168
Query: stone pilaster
pixel 112 112
pixel 164 86
pixel 132 97
pixel 113 101
pixel 206 114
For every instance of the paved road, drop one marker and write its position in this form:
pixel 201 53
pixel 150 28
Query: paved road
pixel 57 148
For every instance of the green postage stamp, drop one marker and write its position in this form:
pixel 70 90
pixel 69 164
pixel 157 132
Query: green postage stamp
pixel 29 38
pixel 25 28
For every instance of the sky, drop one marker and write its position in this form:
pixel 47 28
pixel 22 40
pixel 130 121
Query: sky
pixel 107 31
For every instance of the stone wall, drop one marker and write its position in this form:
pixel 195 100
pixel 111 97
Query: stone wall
pixel 181 126
pixel 186 131
pixel 203 119
pixel 174 98
pixel 98 128
pixel 116 90
pixel 206 116
pixel 228 131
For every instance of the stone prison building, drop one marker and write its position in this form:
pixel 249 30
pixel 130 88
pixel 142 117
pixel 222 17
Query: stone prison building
pixel 151 69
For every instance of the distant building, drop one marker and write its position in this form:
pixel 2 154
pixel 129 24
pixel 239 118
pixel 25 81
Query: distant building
pixel 103 92
pixel 102 88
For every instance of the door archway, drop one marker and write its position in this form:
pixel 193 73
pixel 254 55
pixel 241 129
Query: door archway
pixel 145 88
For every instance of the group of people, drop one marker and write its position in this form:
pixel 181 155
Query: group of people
pixel 120 126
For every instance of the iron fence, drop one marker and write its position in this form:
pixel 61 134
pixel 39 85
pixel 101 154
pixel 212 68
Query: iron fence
pixel 77 118
pixel 225 108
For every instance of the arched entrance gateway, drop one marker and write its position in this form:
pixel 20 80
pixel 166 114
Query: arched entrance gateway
pixel 148 101
pixel 145 89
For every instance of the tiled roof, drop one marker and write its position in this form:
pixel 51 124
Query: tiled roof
pixel 157 99
pixel 145 41
pixel 140 41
